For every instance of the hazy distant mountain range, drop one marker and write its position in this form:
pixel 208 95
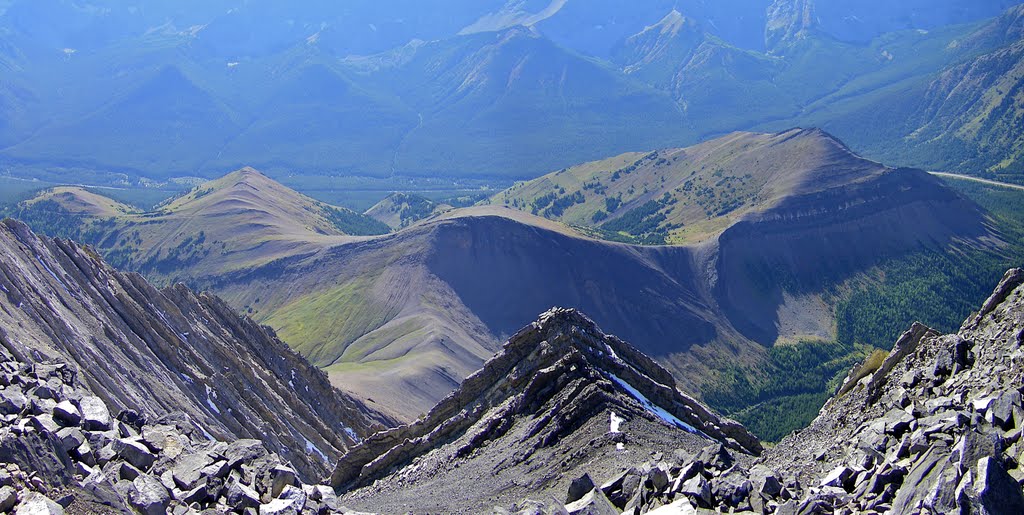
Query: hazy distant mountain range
pixel 496 89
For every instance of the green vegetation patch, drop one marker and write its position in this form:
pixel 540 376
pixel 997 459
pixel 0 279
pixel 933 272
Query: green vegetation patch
pixel 354 224
pixel 798 379
pixel 322 325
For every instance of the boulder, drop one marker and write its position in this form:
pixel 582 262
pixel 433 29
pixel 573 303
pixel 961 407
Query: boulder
pixel 594 503
pixel 698 489
pixel 134 452
pixel 658 478
pixel 8 498
pixel 325 496
pixel 241 496
pixel 839 477
pixel 994 490
pixel 243 450
pixel 578 488
pixel 71 438
pixel 281 476
pixel 148 495
pixel 36 503
pixel 66 414
pixel 95 415
pixel 12 401
pixel 1001 411
pixel 716 456
pixel 764 482
pixel 188 469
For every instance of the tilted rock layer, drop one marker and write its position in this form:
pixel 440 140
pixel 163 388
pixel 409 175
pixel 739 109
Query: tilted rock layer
pixel 169 352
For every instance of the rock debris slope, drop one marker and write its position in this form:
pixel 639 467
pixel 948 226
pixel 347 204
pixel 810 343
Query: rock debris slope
pixel 934 428
pixel 560 398
pixel 169 354
pixel 62 451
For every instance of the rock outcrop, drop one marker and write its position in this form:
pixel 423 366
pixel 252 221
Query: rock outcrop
pixel 935 428
pixel 560 398
pixel 168 355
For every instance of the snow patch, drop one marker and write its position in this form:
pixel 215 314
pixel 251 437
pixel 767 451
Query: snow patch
pixel 351 434
pixel 658 411
pixel 210 397
pixel 614 421
pixel 311 448
pixel 186 378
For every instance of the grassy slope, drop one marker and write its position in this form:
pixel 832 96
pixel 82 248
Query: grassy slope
pixel 237 222
pixel 683 195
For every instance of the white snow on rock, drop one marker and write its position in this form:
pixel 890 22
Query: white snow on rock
pixel 656 410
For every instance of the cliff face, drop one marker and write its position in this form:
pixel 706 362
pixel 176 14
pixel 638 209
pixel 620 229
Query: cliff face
pixel 169 354
pixel 560 398
pixel 822 237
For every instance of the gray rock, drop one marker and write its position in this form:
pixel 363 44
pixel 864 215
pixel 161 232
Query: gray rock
pixel 839 477
pixel 95 415
pixel 12 401
pixel 698 489
pixel 897 422
pixel 45 424
pixel 943 363
pixel 921 480
pixel 995 491
pixel 1001 411
pixel 325 496
pixel 730 490
pixel 973 446
pixel 765 483
pixel 578 488
pixel 148 495
pixel 66 414
pixel 280 477
pixel 294 494
pixel 127 471
pixel 594 503
pixel 188 469
pixel 243 450
pixel 658 478
pixel 134 452
pixel 36 503
pixel 8 498
pixel 910 378
pixel 241 496
pixel 716 456
pixel 71 438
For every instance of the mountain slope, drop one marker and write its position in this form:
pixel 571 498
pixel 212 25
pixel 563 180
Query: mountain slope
pixel 482 93
pixel 959 118
pixel 525 419
pixel 241 220
pixel 399 210
pixel 169 353
pixel 402 318
pixel 692 194
pixel 166 119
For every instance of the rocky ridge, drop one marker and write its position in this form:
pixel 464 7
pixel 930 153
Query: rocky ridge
pixel 561 396
pixel 169 353
pixel 935 427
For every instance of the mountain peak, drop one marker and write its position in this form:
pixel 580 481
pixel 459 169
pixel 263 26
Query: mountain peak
pixel 556 384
